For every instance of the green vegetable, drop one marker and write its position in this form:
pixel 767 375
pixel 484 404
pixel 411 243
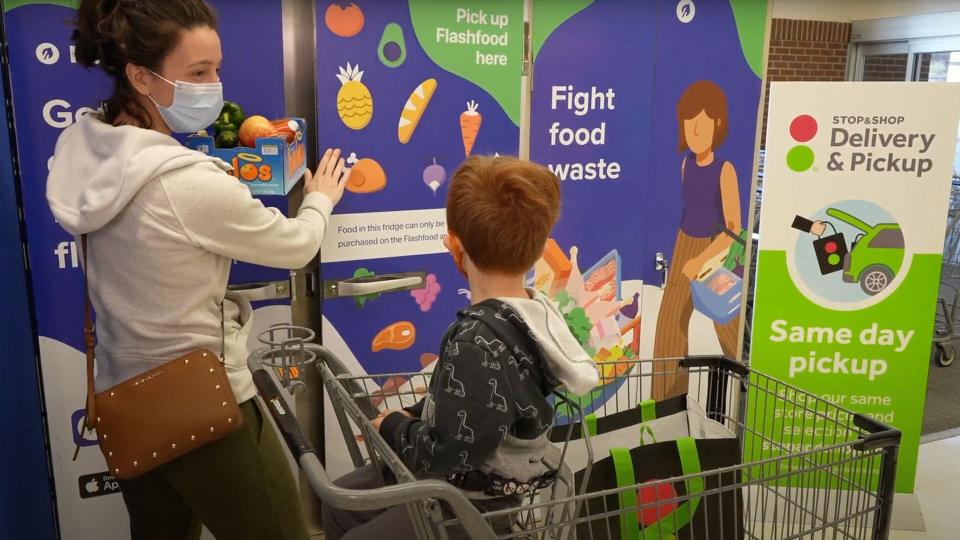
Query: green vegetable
pixel 232 114
pixel 227 125
pixel 221 125
pixel 226 138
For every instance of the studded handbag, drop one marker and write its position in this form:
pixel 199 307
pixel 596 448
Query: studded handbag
pixel 162 414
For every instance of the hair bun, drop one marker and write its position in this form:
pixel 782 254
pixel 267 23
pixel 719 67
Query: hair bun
pixel 96 37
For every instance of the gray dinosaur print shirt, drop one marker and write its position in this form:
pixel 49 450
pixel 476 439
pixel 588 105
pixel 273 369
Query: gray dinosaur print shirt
pixel 486 407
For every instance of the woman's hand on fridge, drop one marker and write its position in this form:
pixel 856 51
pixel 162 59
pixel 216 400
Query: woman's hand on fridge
pixel 692 268
pixel 330 177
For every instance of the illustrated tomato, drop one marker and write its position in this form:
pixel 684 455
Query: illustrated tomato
pixel 344 21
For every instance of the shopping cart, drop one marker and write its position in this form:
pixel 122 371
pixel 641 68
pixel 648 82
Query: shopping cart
pixel 945 330
pixel 841 486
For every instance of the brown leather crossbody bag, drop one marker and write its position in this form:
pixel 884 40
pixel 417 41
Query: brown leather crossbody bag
pixel 162 414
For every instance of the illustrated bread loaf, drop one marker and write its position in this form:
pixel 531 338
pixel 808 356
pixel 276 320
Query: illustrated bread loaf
pixel 414 108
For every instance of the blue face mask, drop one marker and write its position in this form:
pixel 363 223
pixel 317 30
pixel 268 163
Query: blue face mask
pixel 195 105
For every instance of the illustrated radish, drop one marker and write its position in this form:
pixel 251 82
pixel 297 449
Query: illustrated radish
pixel 434 176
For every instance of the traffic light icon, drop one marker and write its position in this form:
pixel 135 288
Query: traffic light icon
pixel 831 251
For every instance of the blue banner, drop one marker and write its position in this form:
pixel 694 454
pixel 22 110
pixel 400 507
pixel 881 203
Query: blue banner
pixel 49 90
pixel 25 492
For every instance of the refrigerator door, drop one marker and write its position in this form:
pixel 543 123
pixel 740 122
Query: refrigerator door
pixel 407 103
pixel 613 82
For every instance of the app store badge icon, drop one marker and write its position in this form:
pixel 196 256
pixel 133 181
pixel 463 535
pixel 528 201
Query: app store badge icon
pixel 98 485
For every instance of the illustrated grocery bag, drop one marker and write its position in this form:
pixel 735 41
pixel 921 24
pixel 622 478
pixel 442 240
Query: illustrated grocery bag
pixel 717 294
pixel 663 447
pixel 716 291
pixel 831 251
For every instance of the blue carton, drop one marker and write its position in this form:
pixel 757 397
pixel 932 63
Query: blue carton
pixel 273 167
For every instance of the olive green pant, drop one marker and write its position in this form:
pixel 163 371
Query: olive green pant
pixel 238 487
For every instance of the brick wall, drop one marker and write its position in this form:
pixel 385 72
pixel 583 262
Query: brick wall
pixel 806 51
pixel 924 74
pixel 886 67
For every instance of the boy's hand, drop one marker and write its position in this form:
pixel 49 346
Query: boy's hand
pixel 379 419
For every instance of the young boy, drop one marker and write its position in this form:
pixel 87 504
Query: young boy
pixel 483 424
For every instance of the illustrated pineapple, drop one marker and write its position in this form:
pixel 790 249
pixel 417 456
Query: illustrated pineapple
pixel 354 102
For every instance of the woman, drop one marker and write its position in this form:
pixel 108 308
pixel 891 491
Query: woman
pixel 163 224
pixel 710 199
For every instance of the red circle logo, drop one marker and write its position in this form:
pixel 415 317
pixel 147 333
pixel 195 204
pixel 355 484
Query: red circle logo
pixel 830 247
pixel 803 128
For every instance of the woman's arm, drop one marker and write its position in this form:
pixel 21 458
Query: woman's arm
pixel 730 199
pixel 219 214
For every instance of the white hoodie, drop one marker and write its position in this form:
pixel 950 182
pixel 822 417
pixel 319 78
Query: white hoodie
pixel 163 224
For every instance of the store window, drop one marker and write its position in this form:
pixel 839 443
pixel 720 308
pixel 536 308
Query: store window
pixel 943 66
pixel 919 49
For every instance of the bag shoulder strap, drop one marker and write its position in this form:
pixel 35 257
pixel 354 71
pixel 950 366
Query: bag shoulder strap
pixel 667 526
pixel 90 339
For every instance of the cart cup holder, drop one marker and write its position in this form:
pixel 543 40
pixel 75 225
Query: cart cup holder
pixel 285 350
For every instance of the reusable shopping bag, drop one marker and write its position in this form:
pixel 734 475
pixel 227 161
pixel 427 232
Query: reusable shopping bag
pixel 664 444
pixel 621 429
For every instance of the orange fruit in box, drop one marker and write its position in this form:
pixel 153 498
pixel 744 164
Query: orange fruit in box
pixel 254 128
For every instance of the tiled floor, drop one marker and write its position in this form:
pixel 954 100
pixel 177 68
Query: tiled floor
pixel 938 490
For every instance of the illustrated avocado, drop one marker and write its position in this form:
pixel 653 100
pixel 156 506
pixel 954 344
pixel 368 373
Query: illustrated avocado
pixel 392 49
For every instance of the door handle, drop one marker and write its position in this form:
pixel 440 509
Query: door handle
pixel 363 286
pixel 264 290
pixel 663 266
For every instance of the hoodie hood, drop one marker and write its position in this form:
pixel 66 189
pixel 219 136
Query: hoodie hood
pixel 571 365
pixel 98 168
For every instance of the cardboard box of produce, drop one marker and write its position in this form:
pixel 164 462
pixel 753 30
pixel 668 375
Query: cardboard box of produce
pixel 269 156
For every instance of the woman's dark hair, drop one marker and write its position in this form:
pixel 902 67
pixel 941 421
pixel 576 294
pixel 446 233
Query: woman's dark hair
pixel 704 96
pixel 141 32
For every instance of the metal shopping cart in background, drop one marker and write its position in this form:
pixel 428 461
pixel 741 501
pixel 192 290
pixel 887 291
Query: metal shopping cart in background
pixel 945 330
pixel 840 487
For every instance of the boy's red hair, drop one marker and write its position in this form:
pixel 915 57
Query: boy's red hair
pixel 502 209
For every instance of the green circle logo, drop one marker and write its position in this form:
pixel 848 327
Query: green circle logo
pixel 800 158
pixel 833 259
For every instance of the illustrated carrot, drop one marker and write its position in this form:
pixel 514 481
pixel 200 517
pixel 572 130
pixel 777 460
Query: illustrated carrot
pixel 470 121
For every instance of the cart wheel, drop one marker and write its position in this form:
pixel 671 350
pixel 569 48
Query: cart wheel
pixel 944 355
pixel 875 279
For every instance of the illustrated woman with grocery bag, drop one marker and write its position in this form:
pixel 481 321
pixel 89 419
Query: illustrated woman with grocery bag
pixel 708 253
pixel 171 398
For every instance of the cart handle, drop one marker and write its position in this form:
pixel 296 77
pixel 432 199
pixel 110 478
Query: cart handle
pixel 355 499
pixel 947 316
pixel 880 435
pixel 717 362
